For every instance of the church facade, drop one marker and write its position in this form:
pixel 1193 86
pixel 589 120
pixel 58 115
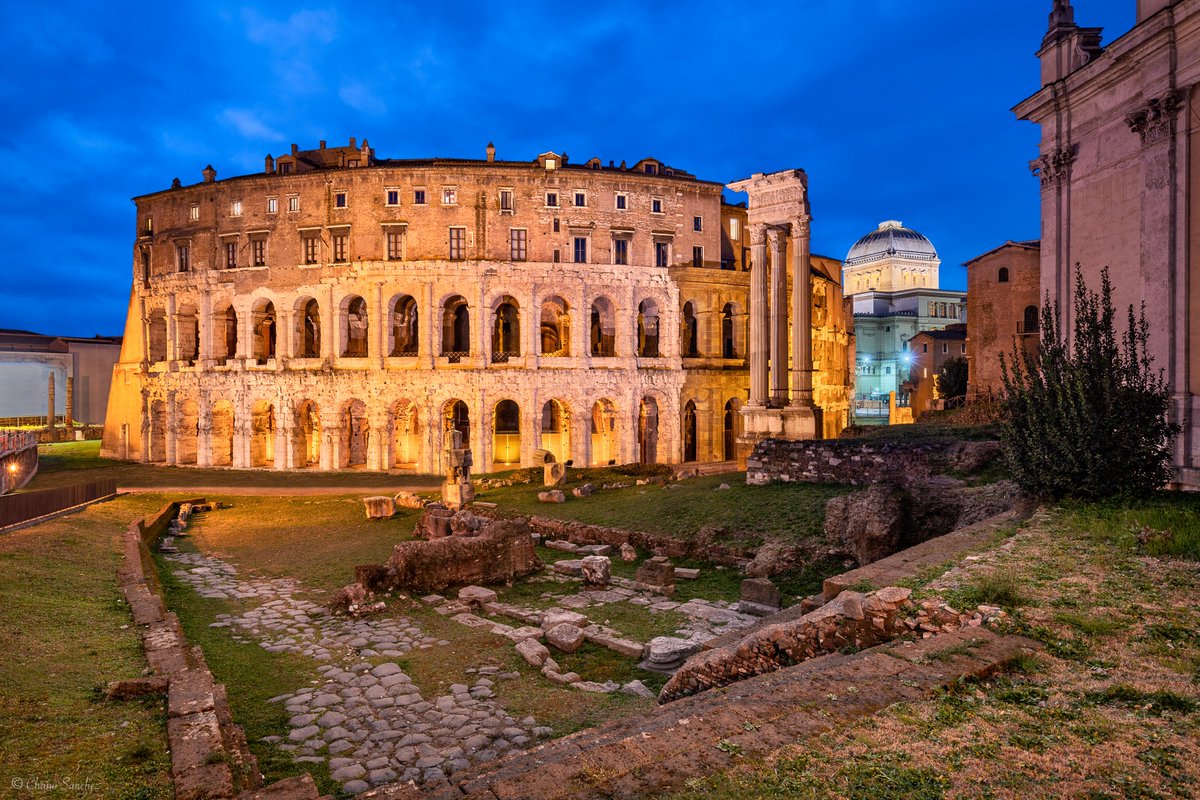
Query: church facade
pixel 342 310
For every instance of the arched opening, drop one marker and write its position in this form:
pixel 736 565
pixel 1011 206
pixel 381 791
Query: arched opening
pixel 307 441
pixel 262 435
pixel 455 416
pixel 689 431
pixel 604 433
pixel 187 432
pixel 262 321
pixel 728 344
pixel 356 434
pixel 404 327
pixel 690 344
pixel 225 334
pixel 555 331
pixel 156 336
pixel 456 327
pixel 156 446
pixel 187 334
pixel 648 431
pixel 406 434
pixel 221 440
pixel 308 329
pixel 1003 276
pixel 506 433
pixel 556 429
pixel 647 329
pixel 729 431
pixel 603 328
pixel 354 332
pixel 506 330
pixel 1030 323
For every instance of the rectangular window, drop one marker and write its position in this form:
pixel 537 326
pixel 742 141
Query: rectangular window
pixel 925 348
pixel 231 255
pixel 581 249
pixel 393 197
pixel 339 199
pixel 340 246
pixel 395 245
pixel 735 230
pixel 310 249
pixel 656 205
pixel 458 244
pixel 294 203
pixel 661 254
pixel 149 225
pixel 697 223
pixel 580 200
pixel 552 199
pixel 418 197
pixel 963 349
pixel 506 200
pixel 183 257
pixel 620 251
pixel 194 213
pixel 556 224
pixel 286 168
pixel 622 202
pixel 516 244
pixel 258 252
pixel 449 196
pixel 697 256
pixel 235 208
pixel 557 256
pixel 945 348
pixel 272 205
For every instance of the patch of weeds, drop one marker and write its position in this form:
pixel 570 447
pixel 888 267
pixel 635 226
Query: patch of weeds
pixel 1170 632
pixel 1164 759
pixel 989 588
pixel 953 709
pixel 886 777
pixel 1019 694
pixel 861 586
pixel 1058 646
pixel 1094 733
pixel 730 748
pixel 1034 737
pixel 1024 664
pixel 1064 601
pixel 1090 626
pixel 1155 703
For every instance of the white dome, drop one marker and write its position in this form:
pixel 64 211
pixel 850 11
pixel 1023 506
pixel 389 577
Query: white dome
pixel 891 239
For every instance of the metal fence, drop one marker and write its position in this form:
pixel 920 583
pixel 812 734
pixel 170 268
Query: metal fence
pixel 12 441
pixel 24 506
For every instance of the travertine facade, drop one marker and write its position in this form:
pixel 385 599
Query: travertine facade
pixel 1003 308
pixel 595 312
pixel 1119 169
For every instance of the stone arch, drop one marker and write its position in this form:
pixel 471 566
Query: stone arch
pixel 506 433
pixel 730 428
pixel 307 333
pixel 306 439
pixel 187 432
pixel 262 434
pixel 263 327
pixel 221 439
pixel 456 326
pixel 356 434
pixel 647 329
pixel 556 429
pixel 156 335
pixel 1002 275
pixel 406 433
pixel 354 327
pixel 554 332
pixel 1030 322
pixel 689 344
pixel 506 328
pixel 225 333
pixel 648 430
pixel 603 328
pixel 457 416
pixel 403 332
pixel 187 333
pixel 730 315
pixel 690 432
pixel 605 444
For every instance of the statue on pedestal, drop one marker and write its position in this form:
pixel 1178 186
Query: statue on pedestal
pixel 457 491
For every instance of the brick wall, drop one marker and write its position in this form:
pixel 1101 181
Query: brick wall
pixel 837 461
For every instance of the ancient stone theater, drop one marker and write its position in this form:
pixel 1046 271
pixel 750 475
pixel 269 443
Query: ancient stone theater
pixel 342 310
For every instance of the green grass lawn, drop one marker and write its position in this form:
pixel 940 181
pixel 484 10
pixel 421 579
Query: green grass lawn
pixel 67 632
pixel 76 462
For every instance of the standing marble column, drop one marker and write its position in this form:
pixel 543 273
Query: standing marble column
pixel 802 363
pixel 759 342
pixel 779 317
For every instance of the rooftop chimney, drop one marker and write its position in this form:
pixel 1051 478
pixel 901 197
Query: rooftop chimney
pixel 295 148
pixel 176 183
pixel 491 152
pixel 209 174
pixel 269 164
pixel 322 144
pixel 354 141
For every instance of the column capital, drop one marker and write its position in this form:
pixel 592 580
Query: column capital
pixel 758 234
pixel 775 237
pixel 800 226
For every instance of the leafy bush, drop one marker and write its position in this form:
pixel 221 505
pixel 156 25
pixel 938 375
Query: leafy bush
pixel 1087 417
pixel 952 378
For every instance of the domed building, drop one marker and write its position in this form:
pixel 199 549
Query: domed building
pixel 890 276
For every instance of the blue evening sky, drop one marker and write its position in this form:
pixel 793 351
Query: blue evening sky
pixel 897 109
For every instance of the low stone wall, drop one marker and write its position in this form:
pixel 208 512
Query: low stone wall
pixel 210 757
pixel 659 544
pixel 850 620
pixel 838 461
pixel 501 551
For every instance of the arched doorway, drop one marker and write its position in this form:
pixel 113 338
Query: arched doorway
pixel 456 327
pixel 356 434
pixel 647 329
pixel 689 431
pixel 354 332
pixel 691 332
pixel 603 328
pixel 404 327
pixel 556 429
pixel 604 433
pixel 728 346
pixel 263 326
pixel 262 435
pixel 555 332
pixel 648 431
pixel 307 435
pixel 729 431
pixel 506 330
pixel 406 434
pixel 457 417
pixel 506 433
pixel 308 329
pixel 221 440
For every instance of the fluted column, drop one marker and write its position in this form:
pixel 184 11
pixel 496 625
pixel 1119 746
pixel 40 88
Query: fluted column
pixel 779 317
pixel 802 363
pixel 759 342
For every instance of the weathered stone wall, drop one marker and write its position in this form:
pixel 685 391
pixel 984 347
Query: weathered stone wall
pixel 502 551
pixel 838 461
pixel 660 544
pixel 996 312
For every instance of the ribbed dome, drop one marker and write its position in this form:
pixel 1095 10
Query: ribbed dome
pixel 891 238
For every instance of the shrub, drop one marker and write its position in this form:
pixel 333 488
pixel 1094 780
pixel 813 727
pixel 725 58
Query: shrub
pixel 1087 417
pixel 952 378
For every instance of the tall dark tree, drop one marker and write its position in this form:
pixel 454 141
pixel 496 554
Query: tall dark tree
pixel 1087 417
